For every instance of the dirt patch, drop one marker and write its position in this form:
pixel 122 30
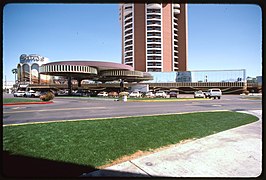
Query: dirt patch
pixel 143 153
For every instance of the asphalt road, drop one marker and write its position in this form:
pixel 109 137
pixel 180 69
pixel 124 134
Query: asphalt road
pixel 84 108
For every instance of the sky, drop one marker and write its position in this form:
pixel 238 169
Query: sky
pixel 220 36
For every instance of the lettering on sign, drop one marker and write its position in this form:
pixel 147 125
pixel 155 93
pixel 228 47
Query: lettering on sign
pixel 31 58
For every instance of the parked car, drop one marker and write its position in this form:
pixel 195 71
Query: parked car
pixel 32 93
pixel 135 94
pixel 62 92
pixel 161 94
pixel 19 94
pixel 173 94
pixel 214 93
pixel 199 94
pixel 80 92
pixel 102 94
pixel 150 94
pixel 123 93
pixel 113 94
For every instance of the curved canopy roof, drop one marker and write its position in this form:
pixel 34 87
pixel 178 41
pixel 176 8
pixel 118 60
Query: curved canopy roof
pixel 100 65
pixel 94 70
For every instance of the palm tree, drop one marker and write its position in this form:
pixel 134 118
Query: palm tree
pixel 15 71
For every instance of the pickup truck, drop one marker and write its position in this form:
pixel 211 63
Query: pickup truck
pixel 214 93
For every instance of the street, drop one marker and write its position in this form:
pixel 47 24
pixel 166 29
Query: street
pixel 86 108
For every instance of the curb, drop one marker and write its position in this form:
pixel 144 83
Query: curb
pixel 25 103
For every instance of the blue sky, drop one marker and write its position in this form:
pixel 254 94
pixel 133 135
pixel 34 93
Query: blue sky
pixel 220 37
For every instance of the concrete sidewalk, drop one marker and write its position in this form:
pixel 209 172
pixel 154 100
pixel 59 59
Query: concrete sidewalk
pixel 233 153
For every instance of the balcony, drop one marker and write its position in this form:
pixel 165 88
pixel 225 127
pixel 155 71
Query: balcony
pixel 154 35
pixel 176 11
pixel 130 59
pixel 154 6
pixel 154 58
pixel 153 41
pixel 154 22
pixel 154 46
pixel 129 21
pixel 154 17
pixel 154 70
pixel 127 27
pixel 128 5
pixel 128 36
pixel 128 16
pixel 127 56
pixel 175 60
pixel 154 11
pixel 176 6
pixel 127 9
pixel 154 29
pixel 154 52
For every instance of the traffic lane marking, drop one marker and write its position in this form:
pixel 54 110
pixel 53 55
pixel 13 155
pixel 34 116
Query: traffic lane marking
pixel 63 109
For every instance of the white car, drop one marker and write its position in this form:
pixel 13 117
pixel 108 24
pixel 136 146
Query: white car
pixel 135 94
pixel 150 94
pixel 161 94
pixel 19 94
pixel 102 94
pixel 199 94
pixel 214 93
pixel 32 93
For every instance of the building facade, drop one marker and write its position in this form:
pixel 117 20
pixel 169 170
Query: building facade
pixel 154 36
pixel 28 69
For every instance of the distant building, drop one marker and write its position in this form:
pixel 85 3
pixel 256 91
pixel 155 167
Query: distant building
pixel 154 36
pixel 8 86
pixel 259 80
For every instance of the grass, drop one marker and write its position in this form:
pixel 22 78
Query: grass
pixel 99 142
pixel 15 100
pixel 253 97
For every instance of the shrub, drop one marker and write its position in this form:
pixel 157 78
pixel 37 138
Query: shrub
pixel 47 97
pixel 246 92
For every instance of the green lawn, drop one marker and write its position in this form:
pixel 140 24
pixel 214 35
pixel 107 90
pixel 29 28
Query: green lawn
pixel 99 142
pixel 15 100
pixel 252 97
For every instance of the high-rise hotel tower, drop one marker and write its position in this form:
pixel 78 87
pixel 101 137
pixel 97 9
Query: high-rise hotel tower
pixel 154 36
